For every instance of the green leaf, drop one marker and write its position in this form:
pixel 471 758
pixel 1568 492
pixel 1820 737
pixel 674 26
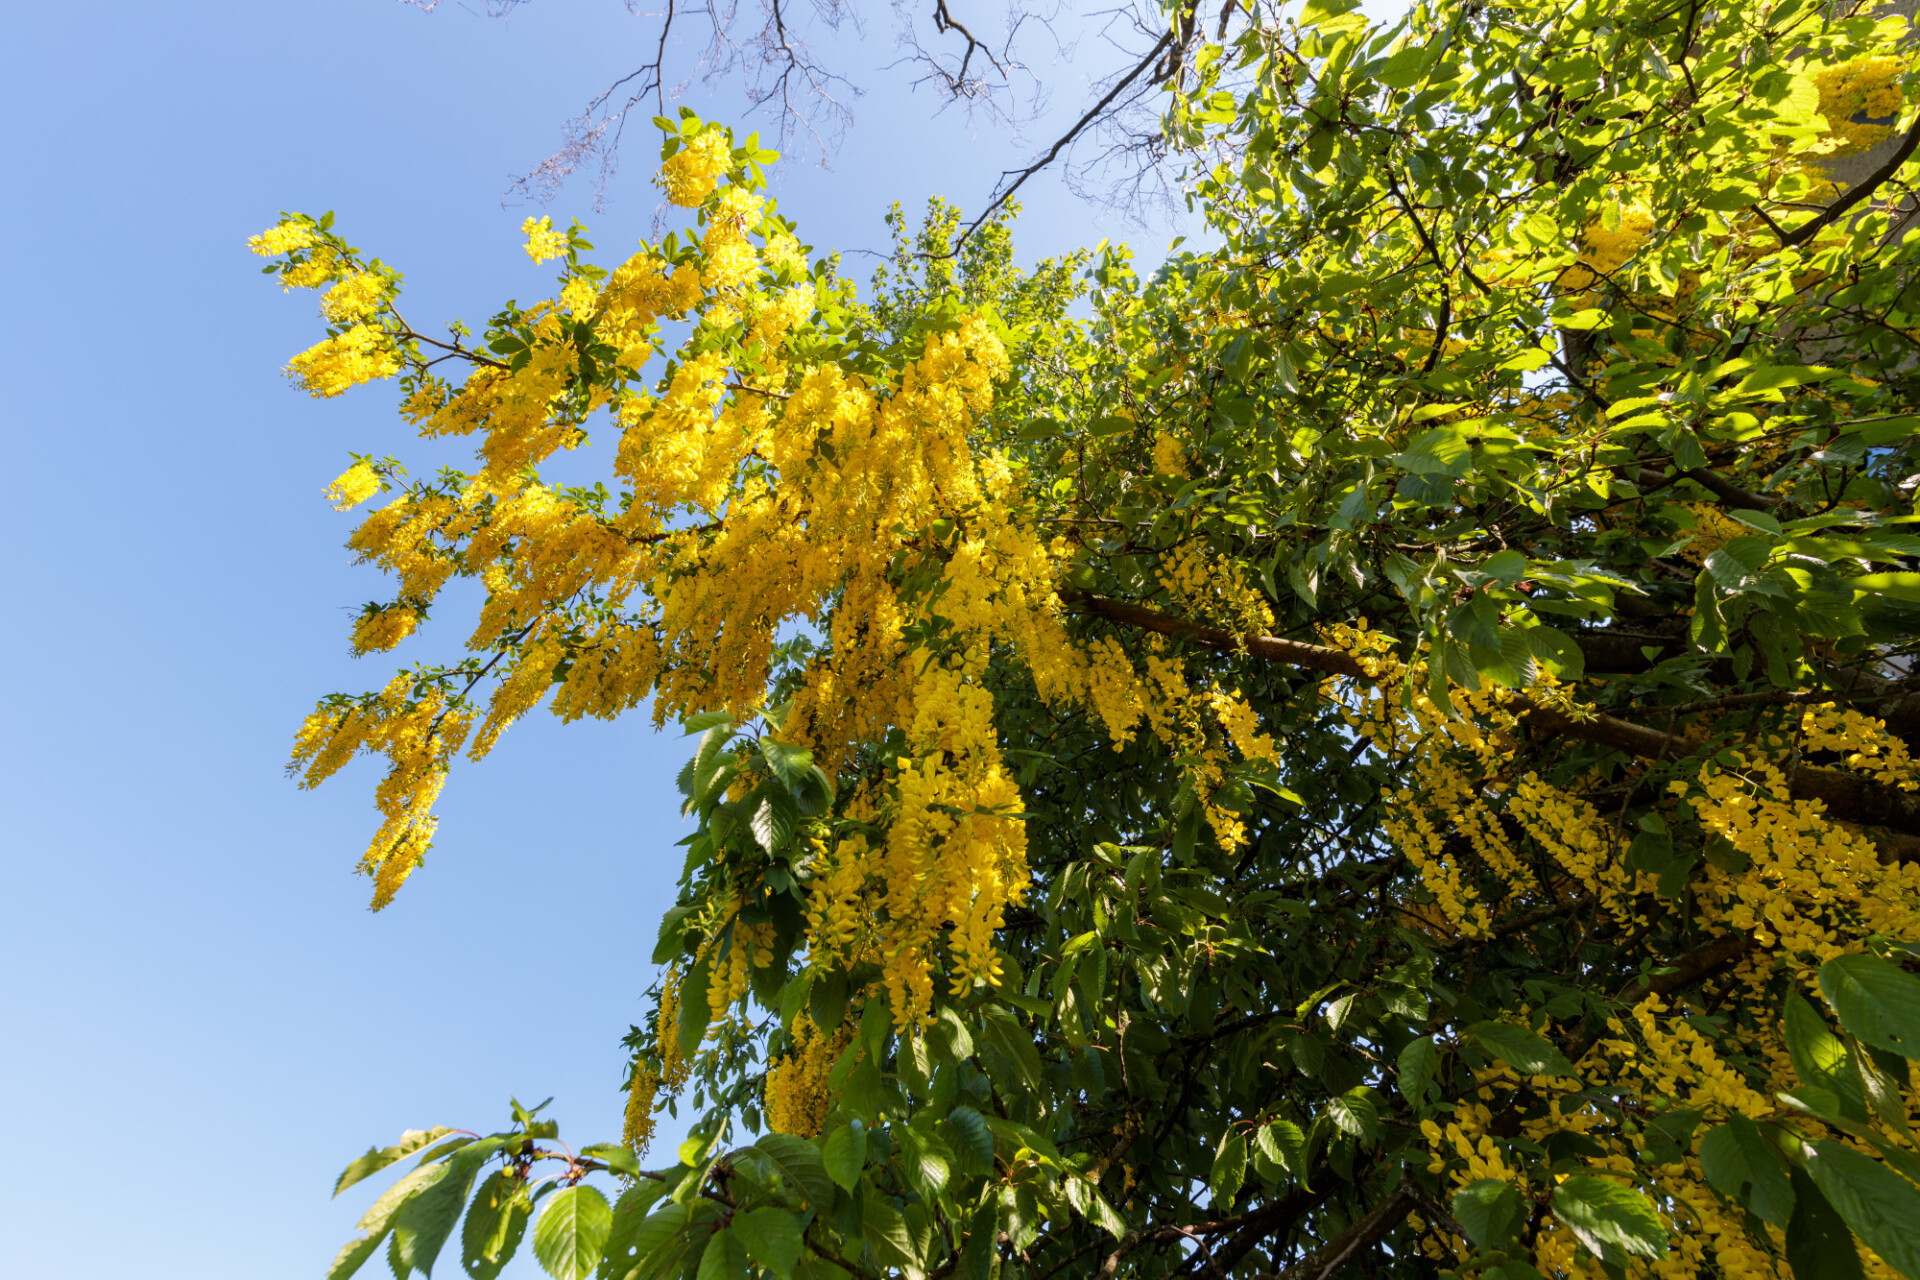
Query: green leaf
pixel 379 1216
pixel 1505 566
pixel 1489 1211
pixel 926 1159
pixel 846 1154
pixel 629 1220
pixel 1820 1059
pixel 352 1254
pixel 887 1236
pixel 1877 1001
pixel 426 1220
pixel 1004 1033
pixel 771 1237
pixel 571 1235
pixel 1353 1113
pixel 1819 1246
pixel 495 1222
pixel 1609 1218
pixel 799 1161
pixel 657 1244
pixel 618 1158
pixel 1520 1049
pixel 693 1007
pixel 378 1158
pixel 1743 1166
pixel 977 1251
pixel 1897 586
pixel 973 1130
pixel 1882 1207
pixel 1416 1067
pixel 724 1259
pixel 1229 1169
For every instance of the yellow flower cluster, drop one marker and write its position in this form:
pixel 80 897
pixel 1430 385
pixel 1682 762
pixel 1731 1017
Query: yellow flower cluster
pixel 753 498
pixel 355 297
pixel 798 1095
pixel 382 627
pixel 354 486
pixel 1712 530
pixel 417 735
pixel 1861 100
pixel 286 237
pixel 1169 455
pixel 363 353
pixel 543 242
pixel 731 260
pixel 691 173
pixel 1212 587
pixel 1810 886
pixel 1578 838
pixel 1864 743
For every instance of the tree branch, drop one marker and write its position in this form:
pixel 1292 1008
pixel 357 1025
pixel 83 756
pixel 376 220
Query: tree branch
pixel 1866 187
pixel 1848 797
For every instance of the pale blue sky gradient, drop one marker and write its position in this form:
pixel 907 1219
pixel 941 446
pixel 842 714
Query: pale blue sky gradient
pixel 200 1021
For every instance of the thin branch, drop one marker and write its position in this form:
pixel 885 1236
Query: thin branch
pixel 1168 44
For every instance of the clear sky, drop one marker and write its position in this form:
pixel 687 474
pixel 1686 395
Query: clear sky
pixel 200 1021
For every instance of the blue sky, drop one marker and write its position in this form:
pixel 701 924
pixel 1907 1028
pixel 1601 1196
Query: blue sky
pixel 201 1022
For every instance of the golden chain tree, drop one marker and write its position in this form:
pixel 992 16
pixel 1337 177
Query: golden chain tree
pixel 1388 744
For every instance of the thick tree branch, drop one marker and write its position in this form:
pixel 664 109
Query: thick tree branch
pixel 1848 797
pixel 1356 1239
pixel 1866 187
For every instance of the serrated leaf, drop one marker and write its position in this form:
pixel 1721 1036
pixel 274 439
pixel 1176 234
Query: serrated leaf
pixel 618 1158
pixel 925 1158
pixel 1354 1114
pixel 1882 1207
pixel 495 1222
pixel 1877 1001
pixel 1607 1216
pixel 1741 1165
pixel 426 1220
pixel 1489 1211
pixel 1229 1169
pixel 571 1235
pixel 378 1158
pixel 887 1235
pixel 972 1129
pixel 353 1255
pixel 799 1162
pixel 771 1238
pixel 379 1216
pixel 659 1239
pixel 629 1220
pixel 724 1258
pixel 1820 1058
pixel 1819 1245
pixel 846 1154
pixel 1415 1069
pixel 1521 1049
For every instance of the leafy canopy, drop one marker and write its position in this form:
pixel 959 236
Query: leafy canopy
pixel 1388 743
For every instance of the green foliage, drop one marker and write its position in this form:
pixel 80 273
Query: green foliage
pixel 1407 388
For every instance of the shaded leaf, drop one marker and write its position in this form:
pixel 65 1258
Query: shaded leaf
pixel 1490 1211
pixel 846 1154
pixel 1877 1001
pixel 1521 1049
pixel 1609 1218
pixel 771 1237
